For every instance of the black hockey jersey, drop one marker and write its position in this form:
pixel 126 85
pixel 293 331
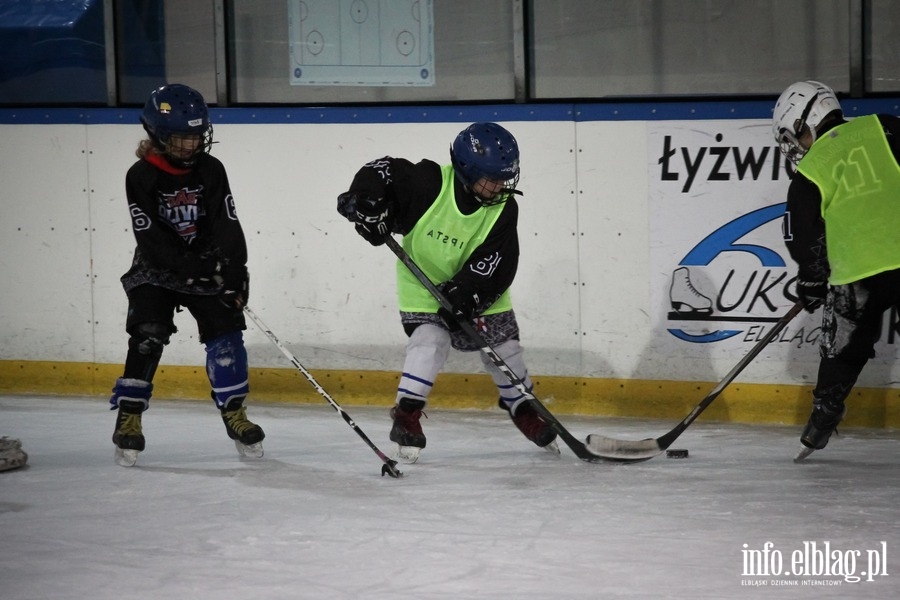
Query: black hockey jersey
pixel 178 217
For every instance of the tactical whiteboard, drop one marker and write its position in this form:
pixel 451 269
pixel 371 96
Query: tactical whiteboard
pixel 361 42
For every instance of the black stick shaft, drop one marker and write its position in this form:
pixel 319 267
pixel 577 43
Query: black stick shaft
pixel 666 440
pixel 634 451
pixel 575 445
pixel 390 466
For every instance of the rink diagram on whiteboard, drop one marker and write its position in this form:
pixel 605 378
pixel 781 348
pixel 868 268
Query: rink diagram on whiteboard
pixel 361 42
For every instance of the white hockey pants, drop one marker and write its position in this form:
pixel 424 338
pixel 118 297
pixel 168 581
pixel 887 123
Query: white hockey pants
pixel 427 351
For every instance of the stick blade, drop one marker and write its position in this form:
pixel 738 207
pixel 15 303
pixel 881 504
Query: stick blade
pixel 622 450
pixel 390 468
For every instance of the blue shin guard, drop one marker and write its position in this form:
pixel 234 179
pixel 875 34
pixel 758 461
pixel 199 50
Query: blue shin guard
pixel 226 367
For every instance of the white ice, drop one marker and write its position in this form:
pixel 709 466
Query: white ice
pixel 483 514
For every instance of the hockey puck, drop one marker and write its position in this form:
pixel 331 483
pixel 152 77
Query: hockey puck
pixel 676 453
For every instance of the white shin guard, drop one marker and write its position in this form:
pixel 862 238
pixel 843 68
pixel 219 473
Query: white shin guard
pixel 426 353
pixel 511 353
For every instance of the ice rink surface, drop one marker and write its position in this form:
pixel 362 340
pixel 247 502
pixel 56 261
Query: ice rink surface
pixel 483 514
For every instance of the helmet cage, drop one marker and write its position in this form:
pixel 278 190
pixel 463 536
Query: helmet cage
pixel 183 149
pixel 501 196
pixel 790 146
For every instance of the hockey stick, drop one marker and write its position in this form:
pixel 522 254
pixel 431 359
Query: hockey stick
pixel 578 447
pixel 633 451
pixel 390 466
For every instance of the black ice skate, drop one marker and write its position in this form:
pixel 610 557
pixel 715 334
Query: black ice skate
pixel 247 435
pixel 532 425
pixel 407 431
pixel 128 435
pixel 822 423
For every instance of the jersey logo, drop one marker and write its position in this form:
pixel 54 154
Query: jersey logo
pixel 487 265
pixel 139 220
pixel 382 167
pixel 181 210
pixel 446 238
pixel 230 209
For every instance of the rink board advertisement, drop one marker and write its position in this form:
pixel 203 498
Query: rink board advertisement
pixel 721 274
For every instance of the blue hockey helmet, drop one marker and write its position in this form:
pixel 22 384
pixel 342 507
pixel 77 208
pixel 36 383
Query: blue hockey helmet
pixel 177 119
pixel 486 150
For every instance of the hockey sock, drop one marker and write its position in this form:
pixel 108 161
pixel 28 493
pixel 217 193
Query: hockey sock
pixel 135 390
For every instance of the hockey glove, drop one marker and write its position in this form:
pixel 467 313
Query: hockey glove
pixel 812 293
pixel 371 215
pixel 235 287
pixel 199 269
pixel 464 300
pixel 346 205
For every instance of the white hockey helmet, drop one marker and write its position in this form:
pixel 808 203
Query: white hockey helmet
pixel 804 104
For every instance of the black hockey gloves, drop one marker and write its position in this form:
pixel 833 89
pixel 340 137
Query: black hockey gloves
pixel 371 215
pixel 812 293
pixel 235 287
pixel 199 269
pixel 464 299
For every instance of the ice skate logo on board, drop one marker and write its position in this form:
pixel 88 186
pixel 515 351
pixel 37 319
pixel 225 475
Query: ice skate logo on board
pixel 685 298
pixel 756 279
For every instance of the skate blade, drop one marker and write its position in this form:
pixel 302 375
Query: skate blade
pixel 407 454
pixel 251 451
pixel 804 452
pixel 552 448
pixel 126 458
pixel 684 309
